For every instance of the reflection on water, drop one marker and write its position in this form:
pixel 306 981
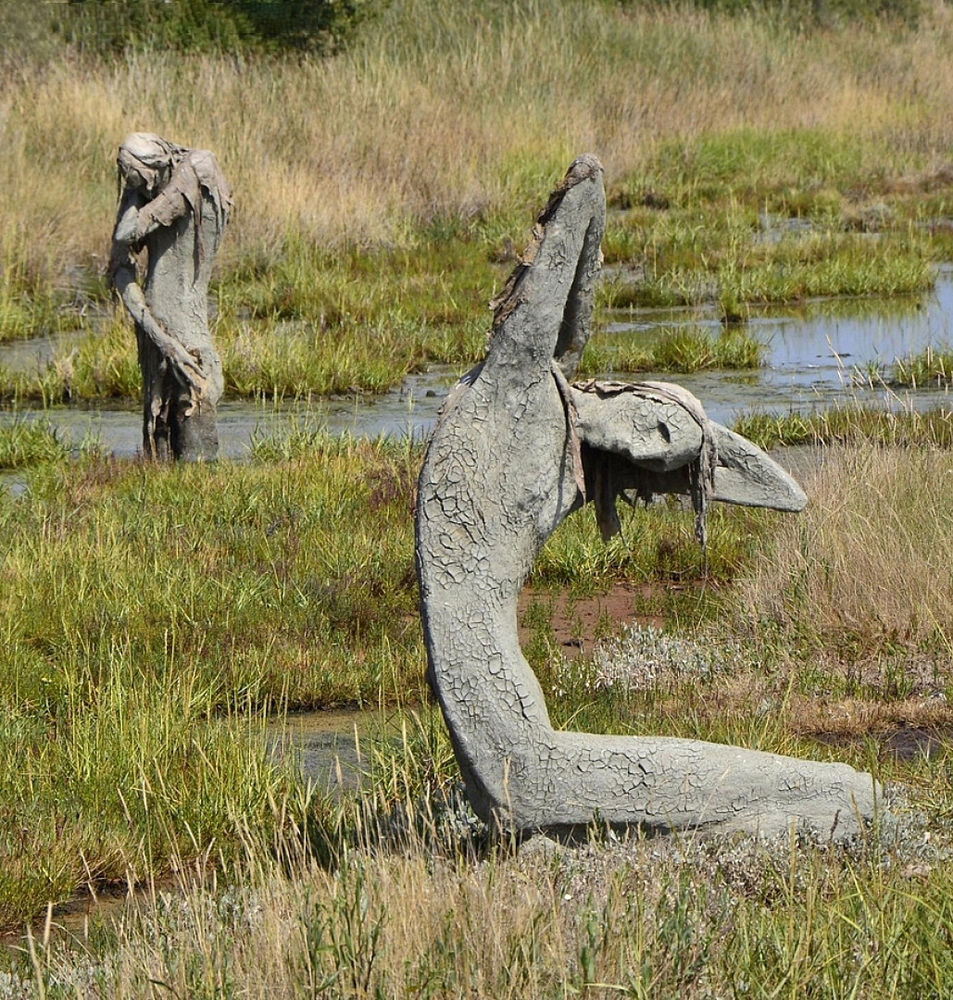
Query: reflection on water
pixel 813 353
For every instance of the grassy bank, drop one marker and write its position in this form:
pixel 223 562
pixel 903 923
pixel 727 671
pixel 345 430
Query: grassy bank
pixel 852 423
pixel 282 360
pixel 142 608
pixel 381 193
pixel 136 674
pixel 151 616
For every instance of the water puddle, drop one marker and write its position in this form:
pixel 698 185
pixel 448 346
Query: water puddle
pixel 407 410
pixel 333 749
pixel 904 743
pixel 813 354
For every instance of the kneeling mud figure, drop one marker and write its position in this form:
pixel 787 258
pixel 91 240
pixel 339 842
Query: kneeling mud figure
pixel 515 450
pixel 174 204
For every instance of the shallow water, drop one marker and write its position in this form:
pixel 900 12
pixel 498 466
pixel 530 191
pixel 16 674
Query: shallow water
pixel 330 748
pixel 817 354
pixel 813 354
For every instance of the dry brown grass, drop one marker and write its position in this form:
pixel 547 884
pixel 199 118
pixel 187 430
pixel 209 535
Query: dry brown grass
pixel 692 917
pixel 444 110
pixel 868 562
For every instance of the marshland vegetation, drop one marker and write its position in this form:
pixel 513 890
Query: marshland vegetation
pixel 154 620
pixel 381 191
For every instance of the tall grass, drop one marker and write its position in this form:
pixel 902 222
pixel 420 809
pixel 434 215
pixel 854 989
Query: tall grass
pixel 695 918
pixel 464 114
pixel 122 780
pixel 865 568
pixel 25 443
pixel 150 616
pixel 293 581
pixel 675 349
pixel 853 423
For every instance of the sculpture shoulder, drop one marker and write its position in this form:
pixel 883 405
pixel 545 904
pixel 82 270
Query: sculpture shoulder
pixel 206 168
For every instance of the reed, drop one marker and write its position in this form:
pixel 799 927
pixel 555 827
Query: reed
pixel 930 368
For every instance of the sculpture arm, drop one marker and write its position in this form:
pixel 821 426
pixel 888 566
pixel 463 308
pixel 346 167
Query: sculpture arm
pixel 169 205
pixel 126 240
pixel 660 436
pixel 134 221
pixel 126 233
pixel 186 368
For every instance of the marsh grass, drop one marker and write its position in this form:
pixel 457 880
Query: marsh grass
pixel 810 163
pixel 931 367
pixel 124 784
pixel 283 360
pixel 853 423
pixel 656 542
pixel 134 741
pixel 726 254
pixel 674 349
pixel 24 442
pixel 151 617
pixel 864 568
pixel 314 545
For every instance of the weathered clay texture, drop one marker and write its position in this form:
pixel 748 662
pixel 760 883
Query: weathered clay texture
pixel 173 209
pixel 514 451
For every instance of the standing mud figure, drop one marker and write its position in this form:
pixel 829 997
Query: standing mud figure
pixel 514 451
pixel 174 205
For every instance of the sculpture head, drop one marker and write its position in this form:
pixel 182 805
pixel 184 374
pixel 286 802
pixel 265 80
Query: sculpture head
pixel 146 161
pixel 548 299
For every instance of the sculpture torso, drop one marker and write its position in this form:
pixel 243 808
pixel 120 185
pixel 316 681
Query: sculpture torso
pixel 180 261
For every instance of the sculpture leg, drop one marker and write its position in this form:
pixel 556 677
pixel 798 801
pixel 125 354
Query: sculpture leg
pixel 156 399
pixel 526 776
pixel 195 435
pixel 195 426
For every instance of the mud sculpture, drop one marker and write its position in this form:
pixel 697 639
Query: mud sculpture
pixel 174 205
pixel 515 450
